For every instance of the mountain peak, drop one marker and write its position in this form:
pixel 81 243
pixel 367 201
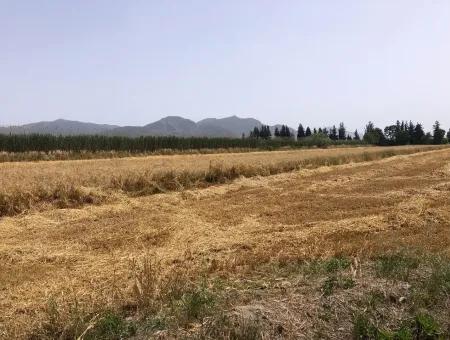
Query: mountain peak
pixel 232 126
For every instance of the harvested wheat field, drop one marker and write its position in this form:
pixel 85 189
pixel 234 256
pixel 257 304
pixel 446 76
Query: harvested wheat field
pixel 335 244
pixel 92 173
pixel 63 184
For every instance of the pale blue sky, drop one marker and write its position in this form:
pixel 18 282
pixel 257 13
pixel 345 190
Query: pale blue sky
pixel 316 62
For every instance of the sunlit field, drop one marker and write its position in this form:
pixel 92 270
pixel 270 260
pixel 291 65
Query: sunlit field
pixel 27 185
pixel 332 243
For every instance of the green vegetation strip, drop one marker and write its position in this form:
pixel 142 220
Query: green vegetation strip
pixel 93 144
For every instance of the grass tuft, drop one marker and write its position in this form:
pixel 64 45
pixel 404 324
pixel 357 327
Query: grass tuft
pixel 422 327
pixel 336 264
pixel 111 326
pixel 435 285
pixel 395 266
pixel 197 303
pixel 363 329
pixel 425 327
pixel 233 328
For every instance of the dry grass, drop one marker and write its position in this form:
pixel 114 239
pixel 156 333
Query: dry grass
pixel 61 268
pixel 94 173
pixel 72 184
pixel 38 156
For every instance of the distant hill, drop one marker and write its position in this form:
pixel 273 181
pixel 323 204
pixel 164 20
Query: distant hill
pixel 59 127
pixel 179 126
pixel 169 126
pixel 231 126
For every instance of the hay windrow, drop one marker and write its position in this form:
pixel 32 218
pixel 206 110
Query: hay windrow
pixel 79 188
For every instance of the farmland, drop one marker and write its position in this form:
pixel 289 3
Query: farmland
pixel 329 243
pixel 27 185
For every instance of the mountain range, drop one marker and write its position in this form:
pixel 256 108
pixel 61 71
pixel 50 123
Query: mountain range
pixel 169 126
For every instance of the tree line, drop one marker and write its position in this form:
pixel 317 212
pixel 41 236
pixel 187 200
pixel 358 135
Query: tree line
pixel 145 144
pixel 403 133
pixel 95 143
pixel 261 137
pixel 400 133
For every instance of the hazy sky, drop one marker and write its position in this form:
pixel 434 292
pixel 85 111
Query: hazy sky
pixel 315 62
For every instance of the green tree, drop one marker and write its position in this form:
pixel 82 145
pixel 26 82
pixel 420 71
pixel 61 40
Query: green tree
pixel 300 132
pixel 374 135
pixel 265 132
pixel 308 132
pixel 285 131
pixel 333 133
pixel 288 132
pixel 419 134
pixel 268 133
pixel 402 138
pixel 411 132
pixel 398 126
pixel 356 136
pixel 391 132
pixel 427 138
pixel 277 132
pixel 342 132
pixel 255 133
pixel 438 133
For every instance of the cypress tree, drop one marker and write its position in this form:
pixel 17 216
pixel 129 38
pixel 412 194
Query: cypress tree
pixel 356 137
pixel 265 132
pixel 411 132
pixel 308 132
pixel 277 132
pixel 288 132
pixel 419 134
pixel 255 133
pixel 269 134
pixel 300 132
pixel 333 133
pixel 341 131
pixel 438 133
pixel 262 132
pixel 398 126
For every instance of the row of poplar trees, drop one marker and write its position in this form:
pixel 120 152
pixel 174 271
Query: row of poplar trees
pixel 284 131
pixel 400 133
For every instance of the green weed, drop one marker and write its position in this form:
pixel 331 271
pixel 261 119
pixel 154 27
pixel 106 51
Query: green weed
pixel 111 326
pixel 395 266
